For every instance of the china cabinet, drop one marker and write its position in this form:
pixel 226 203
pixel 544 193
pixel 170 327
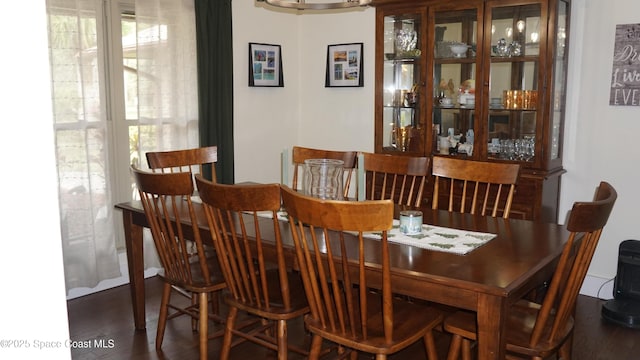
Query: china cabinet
pixel 478 79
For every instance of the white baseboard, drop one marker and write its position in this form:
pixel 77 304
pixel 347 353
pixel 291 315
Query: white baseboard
pixel 111 283
pixel 597 287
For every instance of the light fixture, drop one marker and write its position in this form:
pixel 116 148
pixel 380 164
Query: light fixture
pixel 534 37
pixel 316 4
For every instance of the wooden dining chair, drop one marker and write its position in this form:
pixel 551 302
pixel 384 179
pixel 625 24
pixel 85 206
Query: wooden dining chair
pixel 187 265
pixel 540 330
pixel 475 187
pixel 399 178
pixel 187 160
pixel 196 161
pixel 256 286
pixel 300 154
pixel 332 262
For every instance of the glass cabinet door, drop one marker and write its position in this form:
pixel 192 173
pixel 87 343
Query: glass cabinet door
pixel 480 80
pixel 401 124
pixel 455 70
pixel 514 81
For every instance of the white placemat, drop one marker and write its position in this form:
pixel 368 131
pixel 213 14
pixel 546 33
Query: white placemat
pixel 438 238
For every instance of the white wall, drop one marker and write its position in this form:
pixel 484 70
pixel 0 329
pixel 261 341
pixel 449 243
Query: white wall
pixel 304 112
pixel 33 295
pixel 336 118
pixel 265 119
pixel 600 139
pixel 599 143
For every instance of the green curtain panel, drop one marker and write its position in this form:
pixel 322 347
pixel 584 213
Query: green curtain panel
pixel 215 81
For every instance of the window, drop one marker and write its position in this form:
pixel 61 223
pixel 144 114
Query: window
pixel 121 87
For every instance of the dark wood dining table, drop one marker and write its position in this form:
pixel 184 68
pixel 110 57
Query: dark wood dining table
pixel 486 280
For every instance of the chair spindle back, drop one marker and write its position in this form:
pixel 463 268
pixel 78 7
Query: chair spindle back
pixel 475 187
pixel 334 299
pixel 399 178
pixel 585 223
pixel 187 160
pixel 300 154
pixel 233 212
pixel 166 199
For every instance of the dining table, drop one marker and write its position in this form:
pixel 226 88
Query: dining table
pixel 487 280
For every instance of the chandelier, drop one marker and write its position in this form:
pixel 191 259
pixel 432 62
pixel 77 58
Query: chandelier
pixel 316 5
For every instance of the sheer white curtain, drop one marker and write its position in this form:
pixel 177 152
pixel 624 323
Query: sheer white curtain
pixel 167 83
pixel 167 74
pixel 167 119
pixel 82 147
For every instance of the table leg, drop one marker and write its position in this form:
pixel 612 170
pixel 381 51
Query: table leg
pixel 135 260
pixel 491 317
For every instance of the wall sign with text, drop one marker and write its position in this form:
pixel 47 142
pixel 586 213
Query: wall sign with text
pixel 625 76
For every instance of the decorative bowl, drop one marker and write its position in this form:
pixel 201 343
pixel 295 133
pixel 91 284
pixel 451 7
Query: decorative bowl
pixel 459 50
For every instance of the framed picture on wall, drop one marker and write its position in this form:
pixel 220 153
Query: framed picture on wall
pixel 344 65
pixel 265 65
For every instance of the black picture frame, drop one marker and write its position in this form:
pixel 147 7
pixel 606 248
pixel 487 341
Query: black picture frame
pixel 344 65
pixel 265 65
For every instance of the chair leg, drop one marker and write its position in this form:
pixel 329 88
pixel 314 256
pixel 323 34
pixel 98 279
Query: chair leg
pixel 269 331
pixel 466 349
pixel 204 324
pixel 381 357
pixel 430 344
pixel 194 321
pixel 215 303
pixel 226 341
pixel 164 311
pixel 344 351
pixel 316 347
pixel 565 349
pixel 281 338
pixel 454 347
pixel 353 355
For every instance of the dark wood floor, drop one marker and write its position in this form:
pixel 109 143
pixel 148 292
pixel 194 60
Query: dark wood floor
pixel 107 316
